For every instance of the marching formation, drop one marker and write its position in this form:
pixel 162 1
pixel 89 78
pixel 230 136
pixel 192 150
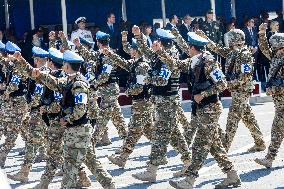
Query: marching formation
pixel 53 104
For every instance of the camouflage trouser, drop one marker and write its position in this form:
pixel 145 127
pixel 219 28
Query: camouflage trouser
pixel 15 110
pixel 77 140
pixel 94 165
pixel 241 110
pixel 166 131
pixel 3 104
pixel 93 107
pixel 141 122
pixel 207 140
pixel 110 110
pixel 36 137
pixel 54 150
pixel 190 130
pixel 277 130
pixel 25 126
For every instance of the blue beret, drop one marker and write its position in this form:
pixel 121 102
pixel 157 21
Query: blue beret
pixel 165 34
pixel 12 47
pixel 102 36
pixel 55 55
pixel 134 44
pixel 86 42
pixel 196 40
pixel 72 57
pixel 39 52
pixel 2 47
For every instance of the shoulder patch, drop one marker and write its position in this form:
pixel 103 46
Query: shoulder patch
pixel 81 98
pixel 217 75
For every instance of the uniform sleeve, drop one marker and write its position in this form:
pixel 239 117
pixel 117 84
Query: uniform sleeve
pixel 15 81
pixel 141 73
pixel 264 47
pixel 119 61
pixel 126 47
pixel 65 45
pixel 219 49
pixel 53 83
pixel 173 63
pixel 143 47
pixel 23 67
pixel 52 43
pixel 213 72
pixel 180 41
pixel 80 92
pixel 88 55
pixel 246 68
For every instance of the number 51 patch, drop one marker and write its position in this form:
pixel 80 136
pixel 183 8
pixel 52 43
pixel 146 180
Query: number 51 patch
pixel 217 75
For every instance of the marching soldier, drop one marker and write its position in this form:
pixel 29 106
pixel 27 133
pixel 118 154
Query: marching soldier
pixel 141 121
pixel 208 81
pixel 78 130
pixel 106 82
pixel 37 126
pixel 15 102
pixel 275 88
pixel 239 75
pixel 165 84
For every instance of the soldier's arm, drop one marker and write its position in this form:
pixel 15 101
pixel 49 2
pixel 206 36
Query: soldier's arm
pixel 88 55
pixel 217 48
pixel 263 46
pixel 80 90
pixel 141 75
pixel 182 44
pixel 126 47
pixel 173 63
pixel 119 61
pixel 248 61
pixel 53 83
pixel 213 72
pixel 52 43
pixel 14 84
pixel 143 47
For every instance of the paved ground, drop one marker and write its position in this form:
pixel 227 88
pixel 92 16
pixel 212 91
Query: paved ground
pixel 253 176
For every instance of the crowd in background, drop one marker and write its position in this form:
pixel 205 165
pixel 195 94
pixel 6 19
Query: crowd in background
pixel 39 36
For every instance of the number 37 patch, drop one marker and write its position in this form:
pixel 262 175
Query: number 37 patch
pixel 217 75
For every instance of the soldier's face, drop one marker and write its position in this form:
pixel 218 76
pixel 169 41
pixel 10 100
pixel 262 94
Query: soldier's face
pixel 66 67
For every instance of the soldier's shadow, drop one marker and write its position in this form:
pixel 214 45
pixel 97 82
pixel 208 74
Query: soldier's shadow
pixel 254 175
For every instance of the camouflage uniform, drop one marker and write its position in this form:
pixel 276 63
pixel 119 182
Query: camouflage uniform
pixel 15 109
pixel 181 117
pixel 141 121
pixel 55 132
pixel 165 106
pixel 77 138
pixel 240 83
pixel 208 81
pixel 276 73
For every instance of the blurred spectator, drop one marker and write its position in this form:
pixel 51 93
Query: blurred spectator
pixel 186 26
pixel 112 29
pixel 279 19
pixel 230 26
pixel 10 35
pixel 155 27
pixel 2 36
pixel 212 28
pixel 274 28
pixel 173 22
pixel 147 31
